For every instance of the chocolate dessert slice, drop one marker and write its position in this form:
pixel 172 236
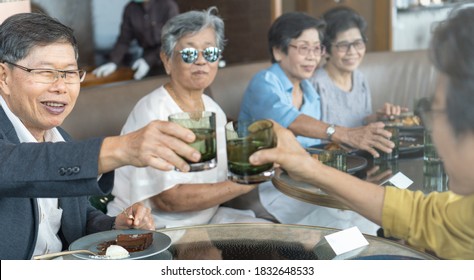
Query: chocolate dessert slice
pixel 131 242
pixel 135 242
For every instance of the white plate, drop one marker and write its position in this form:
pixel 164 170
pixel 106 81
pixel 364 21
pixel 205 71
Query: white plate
pixel 161 242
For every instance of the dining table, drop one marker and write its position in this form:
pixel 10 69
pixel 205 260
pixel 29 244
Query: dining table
pixel 256 241
pixel 268 241
pixel 272 241
pixel 427 176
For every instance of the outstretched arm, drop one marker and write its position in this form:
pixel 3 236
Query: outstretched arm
pixel 363 197
pixel 158 145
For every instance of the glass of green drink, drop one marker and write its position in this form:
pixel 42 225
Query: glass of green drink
pixel 203 124
pixel 394 128
pixel 244 138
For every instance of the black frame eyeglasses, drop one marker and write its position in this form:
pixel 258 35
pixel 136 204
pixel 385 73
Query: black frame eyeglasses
pixel 424 109
pixel 344 46
pixel 50 76
pixel 304 50
pixel 210 54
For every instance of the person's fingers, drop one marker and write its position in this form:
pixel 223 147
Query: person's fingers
pixel 167 160
pixel 383 145
pixel 170 146
pixel 175 130
pixel 380 131
pixel 173 138
pixel 372 151
pixel 264 156
pixel 161 145
pixel 141 215
pixel 387 109
pixel 394 110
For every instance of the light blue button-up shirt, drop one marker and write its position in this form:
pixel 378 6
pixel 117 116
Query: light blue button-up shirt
pixel 268 96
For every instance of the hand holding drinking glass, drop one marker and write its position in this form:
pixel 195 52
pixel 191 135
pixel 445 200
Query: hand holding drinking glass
pixel 203 124
pixel 243 139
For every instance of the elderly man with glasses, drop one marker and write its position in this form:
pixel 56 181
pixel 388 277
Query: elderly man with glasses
pixel 45 177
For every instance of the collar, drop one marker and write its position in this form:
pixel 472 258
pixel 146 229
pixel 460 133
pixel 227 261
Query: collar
pixel 309 92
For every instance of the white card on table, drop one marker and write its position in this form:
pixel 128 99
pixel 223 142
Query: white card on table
pixel 346 240
pixel 398 180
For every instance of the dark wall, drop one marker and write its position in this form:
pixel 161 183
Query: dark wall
pixel 246 26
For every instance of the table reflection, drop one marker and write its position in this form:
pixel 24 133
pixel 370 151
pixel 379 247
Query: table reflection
pixel 269 242
pixel 427 176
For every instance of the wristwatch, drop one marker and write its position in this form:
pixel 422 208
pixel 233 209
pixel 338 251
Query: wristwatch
pixel 330 131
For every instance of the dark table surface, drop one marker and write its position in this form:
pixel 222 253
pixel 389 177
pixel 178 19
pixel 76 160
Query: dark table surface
pixel 426 176
pixel 274 241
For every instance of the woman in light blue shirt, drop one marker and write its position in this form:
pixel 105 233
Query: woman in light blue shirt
pixel 269 96
pixel 283 93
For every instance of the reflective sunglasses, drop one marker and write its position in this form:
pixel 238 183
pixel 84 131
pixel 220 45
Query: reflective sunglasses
pixel 190 55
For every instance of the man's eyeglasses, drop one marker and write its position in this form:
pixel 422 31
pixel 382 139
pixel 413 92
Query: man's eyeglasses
pixel 344 47
pixel 304 50
pixel 49 76
pixel 190 55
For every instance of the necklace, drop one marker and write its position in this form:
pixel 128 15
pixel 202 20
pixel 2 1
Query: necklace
pixel 297 97
pixel 178 100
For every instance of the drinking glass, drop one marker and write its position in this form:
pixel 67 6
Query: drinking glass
pixel 394 129
pixel 243 139
pixel 434 177
pixel 333 158
pixel 203 124
pixel 429 153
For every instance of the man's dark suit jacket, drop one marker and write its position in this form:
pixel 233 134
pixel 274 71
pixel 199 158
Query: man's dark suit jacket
pixel 67 171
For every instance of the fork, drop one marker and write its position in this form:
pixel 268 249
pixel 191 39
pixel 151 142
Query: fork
pixel 129 216
pixel 58 254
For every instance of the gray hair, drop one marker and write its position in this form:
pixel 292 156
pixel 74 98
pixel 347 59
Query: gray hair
pixel 191 22
pixel 21 32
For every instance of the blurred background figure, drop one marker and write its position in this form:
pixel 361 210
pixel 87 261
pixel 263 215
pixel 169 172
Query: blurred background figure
pixel 142 21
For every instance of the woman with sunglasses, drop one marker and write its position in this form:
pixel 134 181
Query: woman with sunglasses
pixel 345 93
pixel 192 43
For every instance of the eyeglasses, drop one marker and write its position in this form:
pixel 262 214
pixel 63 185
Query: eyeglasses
pixel 49 76
pixel 304 50
pixel 190 55
pixel 424 109
pixel 344 47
